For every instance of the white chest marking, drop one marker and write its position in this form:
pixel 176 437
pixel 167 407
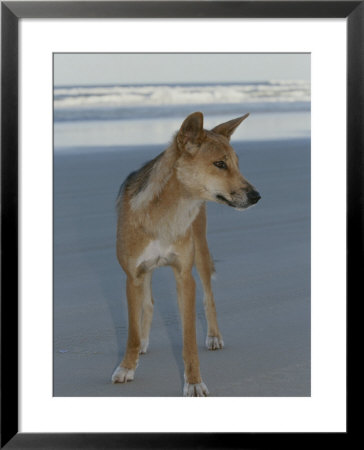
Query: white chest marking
pixel 156 254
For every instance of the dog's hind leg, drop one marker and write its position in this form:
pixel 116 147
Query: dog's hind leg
pixel 205 268
pixel 147 313
pixel 135 291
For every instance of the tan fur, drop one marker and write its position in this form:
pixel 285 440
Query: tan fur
pixel 162 221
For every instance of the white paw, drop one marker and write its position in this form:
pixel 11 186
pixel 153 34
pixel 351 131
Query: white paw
pixel 122 375
pixel 214 343
pixel 144 346
pixel 195 390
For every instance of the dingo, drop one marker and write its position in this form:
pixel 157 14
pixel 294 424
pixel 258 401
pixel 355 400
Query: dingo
pixel 162 221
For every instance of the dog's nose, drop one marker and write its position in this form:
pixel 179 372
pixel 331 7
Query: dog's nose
pixel 253 196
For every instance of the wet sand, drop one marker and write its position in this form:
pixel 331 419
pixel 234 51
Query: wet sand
pixel 262 287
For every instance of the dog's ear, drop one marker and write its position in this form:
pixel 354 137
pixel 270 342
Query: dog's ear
pixel 228 128
pixel 191 133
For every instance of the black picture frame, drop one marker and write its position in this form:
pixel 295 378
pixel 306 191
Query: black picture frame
pixel 11 13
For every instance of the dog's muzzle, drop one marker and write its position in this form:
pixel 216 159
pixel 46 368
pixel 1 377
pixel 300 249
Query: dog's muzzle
pixel 243 201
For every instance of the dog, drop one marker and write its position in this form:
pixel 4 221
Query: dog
pixel 162 221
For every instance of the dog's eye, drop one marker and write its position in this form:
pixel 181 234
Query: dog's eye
pixel 220 164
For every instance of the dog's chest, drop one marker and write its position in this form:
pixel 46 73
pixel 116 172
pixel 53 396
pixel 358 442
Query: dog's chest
pixel 175 222
pixel 156 254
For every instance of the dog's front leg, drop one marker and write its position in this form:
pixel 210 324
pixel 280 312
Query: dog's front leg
pixel 205 268
pixel 135 287
pixel 194 387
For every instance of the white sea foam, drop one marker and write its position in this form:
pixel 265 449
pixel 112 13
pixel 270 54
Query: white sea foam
pixel 159 95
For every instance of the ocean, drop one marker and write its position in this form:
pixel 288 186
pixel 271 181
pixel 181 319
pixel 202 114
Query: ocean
pixel 89 117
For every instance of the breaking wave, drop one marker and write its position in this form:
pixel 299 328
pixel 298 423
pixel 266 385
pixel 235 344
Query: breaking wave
pixel 144 101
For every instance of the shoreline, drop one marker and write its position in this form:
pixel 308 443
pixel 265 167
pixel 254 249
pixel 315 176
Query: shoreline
pixel 237 145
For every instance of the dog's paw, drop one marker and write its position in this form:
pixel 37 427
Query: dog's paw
pixel 144 346
pixel 122 375
pixel 214 342
pixel 195 390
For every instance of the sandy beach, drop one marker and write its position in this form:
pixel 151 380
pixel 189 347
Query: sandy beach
pixel 262 287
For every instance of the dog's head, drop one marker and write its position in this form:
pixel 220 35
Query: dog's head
pixel 208 166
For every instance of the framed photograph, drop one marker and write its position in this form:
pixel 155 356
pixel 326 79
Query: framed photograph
pixel 92 91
